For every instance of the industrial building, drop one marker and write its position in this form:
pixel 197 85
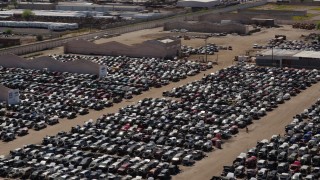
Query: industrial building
pixel 289 58
pixel 198 3
pixel 49 64
pixel 50 13
pixel 67 6
pixel 159 48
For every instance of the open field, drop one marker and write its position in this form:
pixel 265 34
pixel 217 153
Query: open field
pixel 273 123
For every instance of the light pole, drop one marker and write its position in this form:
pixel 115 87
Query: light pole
pixel 272 52
pixel 205 45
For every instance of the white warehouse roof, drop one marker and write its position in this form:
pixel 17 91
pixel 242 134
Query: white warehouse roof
pixel 198 3
pixel 291 53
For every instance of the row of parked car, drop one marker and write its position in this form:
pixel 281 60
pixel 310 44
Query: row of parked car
pixel 210 48
pixel 294 45
pixel 47 96
pixel 153 137
pixel 293 156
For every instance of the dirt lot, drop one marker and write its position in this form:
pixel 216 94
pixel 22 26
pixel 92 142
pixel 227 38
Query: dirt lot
pixel 273 123
pixel 313 12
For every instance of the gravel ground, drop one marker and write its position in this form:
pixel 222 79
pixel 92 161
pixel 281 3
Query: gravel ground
pixel 271 124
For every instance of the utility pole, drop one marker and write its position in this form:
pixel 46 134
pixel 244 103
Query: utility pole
pixel 272 52
pixel 205 41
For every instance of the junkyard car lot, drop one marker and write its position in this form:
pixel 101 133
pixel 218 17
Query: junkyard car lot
pixel 292 156
pixel 161 130
pixel 258 130
pixel 47 96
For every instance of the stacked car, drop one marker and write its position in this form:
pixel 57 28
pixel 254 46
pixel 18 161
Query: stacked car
pixel 292 156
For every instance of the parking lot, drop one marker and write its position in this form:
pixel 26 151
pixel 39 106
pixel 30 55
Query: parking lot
pixel 293 155
pixel 68 95
pixel 225 59
pixel 165 131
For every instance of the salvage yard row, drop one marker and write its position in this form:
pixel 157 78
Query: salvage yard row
pixel 267 126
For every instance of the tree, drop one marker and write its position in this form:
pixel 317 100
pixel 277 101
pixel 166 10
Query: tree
pixel 27 14
pixel 14 3
pixel 318 25
pixel 8 31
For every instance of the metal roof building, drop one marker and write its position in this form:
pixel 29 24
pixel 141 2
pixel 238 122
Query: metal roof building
pixel 198 3
pixel 289 58
pixel 54 13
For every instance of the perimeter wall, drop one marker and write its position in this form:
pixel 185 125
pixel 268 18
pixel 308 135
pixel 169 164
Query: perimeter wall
pixel 151 48
pixel 208 27
pixel 79 66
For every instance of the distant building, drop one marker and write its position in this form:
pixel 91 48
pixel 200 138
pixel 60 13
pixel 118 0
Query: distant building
pixel 198 3
pixel 289 58
pixel 159 48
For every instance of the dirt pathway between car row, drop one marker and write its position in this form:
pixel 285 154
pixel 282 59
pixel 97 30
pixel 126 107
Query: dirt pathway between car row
pixel 264 128
pixel 273 123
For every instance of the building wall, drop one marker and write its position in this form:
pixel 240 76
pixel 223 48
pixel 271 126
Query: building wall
pixel 3 93
pixel 46 6
pixel 240 18
pixel 198 4
pixel 146 49
pixel 208 27
pixel 273 12
pixel 306 63
pixel 99 8
pixel 6 42
pixel 80 66
pixel 10 96
pixel 298 2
